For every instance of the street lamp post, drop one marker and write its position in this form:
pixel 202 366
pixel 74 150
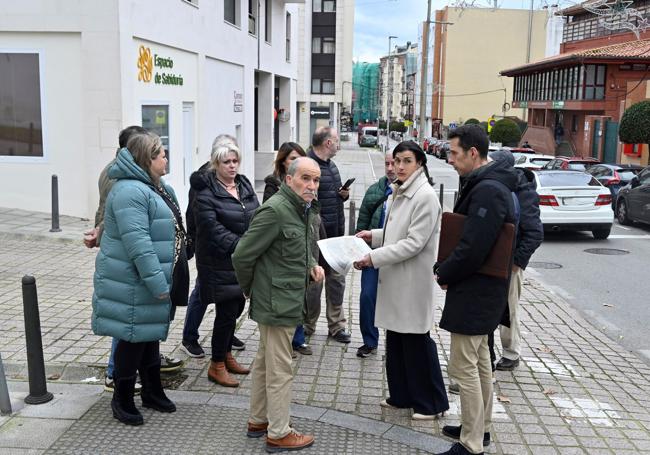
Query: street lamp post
pixel 389 77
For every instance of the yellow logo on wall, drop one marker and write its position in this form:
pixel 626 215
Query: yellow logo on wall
pixel 145 64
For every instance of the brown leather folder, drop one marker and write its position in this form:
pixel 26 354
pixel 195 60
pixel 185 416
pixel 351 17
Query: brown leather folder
pixel 498 263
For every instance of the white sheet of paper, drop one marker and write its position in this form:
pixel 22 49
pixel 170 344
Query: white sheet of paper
pixel 341 252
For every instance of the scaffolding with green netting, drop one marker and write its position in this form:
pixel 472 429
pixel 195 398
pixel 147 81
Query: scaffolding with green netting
pixel 365 94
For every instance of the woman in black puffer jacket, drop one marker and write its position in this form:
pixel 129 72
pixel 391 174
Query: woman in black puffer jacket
pixel 224 206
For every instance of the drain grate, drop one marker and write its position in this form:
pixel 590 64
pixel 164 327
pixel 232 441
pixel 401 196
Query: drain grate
pixel 545 265
pixel 607 251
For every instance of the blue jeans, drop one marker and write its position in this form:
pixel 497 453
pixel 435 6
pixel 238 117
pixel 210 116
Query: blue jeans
pixel 367 302
pixel 111 359
pixel 298 337
pixel 194 315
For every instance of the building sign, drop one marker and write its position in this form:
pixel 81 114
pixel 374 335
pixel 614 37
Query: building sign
pixel 147 65
pixel 558 104
pixel 238 102
pixel 523 104
pixel 320 112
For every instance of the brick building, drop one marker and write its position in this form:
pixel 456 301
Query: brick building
pixel 576 98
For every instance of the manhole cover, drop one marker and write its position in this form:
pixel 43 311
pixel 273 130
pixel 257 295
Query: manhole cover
pixel 606 251
pixel 545 265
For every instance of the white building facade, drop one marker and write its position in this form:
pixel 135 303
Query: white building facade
pixel 187 70
pixel 326 29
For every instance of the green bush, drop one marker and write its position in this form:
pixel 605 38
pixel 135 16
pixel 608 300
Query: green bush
pixel 483 125
pixel 506 131
pixel 472 121
pixel 382 125
pixel 398 127
pixel 635 124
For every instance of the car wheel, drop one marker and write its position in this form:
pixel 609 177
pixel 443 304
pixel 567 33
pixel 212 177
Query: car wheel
pixel 621 212
pixel 601 234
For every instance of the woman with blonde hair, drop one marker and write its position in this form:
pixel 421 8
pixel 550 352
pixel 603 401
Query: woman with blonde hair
pixel 141 273
pixel 224 205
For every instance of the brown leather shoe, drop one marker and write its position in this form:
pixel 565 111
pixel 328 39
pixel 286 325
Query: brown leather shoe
pixel 233 366
pixel 218 373
pixel 256 430
pixel 292 441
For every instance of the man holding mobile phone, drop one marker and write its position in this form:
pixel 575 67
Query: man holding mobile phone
pixel 331 195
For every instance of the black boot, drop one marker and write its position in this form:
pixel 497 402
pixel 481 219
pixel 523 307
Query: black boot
pixel 122 404
pixel 153 396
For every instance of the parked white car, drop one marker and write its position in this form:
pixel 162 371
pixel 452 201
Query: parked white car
pixel 574 200
pixel 531 161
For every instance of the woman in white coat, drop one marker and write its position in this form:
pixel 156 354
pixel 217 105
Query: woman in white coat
pixel 405 251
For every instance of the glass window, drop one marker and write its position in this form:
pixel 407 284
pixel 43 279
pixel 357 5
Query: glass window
pixel 539 161
pixel 591 74
pixel 288 36
pixel 315 85
pixel 155 118
pixel 252 17
pixel 317 6
pixel 329 6
pixel 230 11
pixel 315 45
pixel 21 131
pixel 268 21
pixel 328 87
pixel 600 75
pixel 329 46
pixel 564 178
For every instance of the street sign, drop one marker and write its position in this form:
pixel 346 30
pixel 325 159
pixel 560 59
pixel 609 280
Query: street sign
pixel 558 104
pixel 319 112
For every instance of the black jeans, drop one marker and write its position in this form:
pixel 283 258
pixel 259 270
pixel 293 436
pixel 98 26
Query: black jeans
pixel 413 373
pixel 133 357
pixel 224 326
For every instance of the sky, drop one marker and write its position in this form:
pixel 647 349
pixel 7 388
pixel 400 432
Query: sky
pixel 376 20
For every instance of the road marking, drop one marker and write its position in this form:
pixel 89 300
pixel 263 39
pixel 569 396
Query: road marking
pixel 630 236
pixel 372 166
pixel 623 227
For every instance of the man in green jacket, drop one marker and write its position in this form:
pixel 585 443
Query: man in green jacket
pixel 274 264
pixel 371 216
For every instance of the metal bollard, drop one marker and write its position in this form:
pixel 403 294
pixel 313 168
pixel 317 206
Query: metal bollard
pixel 442 194
pixel 5 401
pixel 35 364
pixel 55 204
pixel 352 219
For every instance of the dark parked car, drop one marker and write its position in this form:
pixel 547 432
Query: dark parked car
pixel 575 163
pixel 614 176
pixel 634 199
pixel 441 150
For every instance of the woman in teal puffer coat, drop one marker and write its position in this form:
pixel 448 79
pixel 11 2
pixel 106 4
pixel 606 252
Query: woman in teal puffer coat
pixel 141 249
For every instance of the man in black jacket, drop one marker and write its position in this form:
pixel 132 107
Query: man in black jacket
pixel 530 234
pixel 331 196
pixel 475 302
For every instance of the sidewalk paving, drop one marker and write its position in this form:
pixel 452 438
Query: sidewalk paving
pixel 576 391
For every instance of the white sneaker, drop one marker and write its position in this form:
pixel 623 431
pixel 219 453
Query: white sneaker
pixel 385 404
pixel 109 386
pixel 418 416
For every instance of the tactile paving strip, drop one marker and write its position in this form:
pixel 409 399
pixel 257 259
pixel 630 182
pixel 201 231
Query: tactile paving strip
pixel 203 429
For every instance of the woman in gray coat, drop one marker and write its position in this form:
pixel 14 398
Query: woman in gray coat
pixel 405 251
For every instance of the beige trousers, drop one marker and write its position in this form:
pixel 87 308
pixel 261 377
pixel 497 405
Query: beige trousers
pixel 469 364
pixel 511 336
pixel 334 308
pixel 272 377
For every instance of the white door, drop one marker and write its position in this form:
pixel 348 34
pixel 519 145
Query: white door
pixel 189 150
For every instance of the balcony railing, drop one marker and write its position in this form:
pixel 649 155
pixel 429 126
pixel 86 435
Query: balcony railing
pixel 579 30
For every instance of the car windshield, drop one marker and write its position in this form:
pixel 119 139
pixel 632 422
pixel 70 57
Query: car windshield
pixel 540 161
pixel 627 174
pixel 547 179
